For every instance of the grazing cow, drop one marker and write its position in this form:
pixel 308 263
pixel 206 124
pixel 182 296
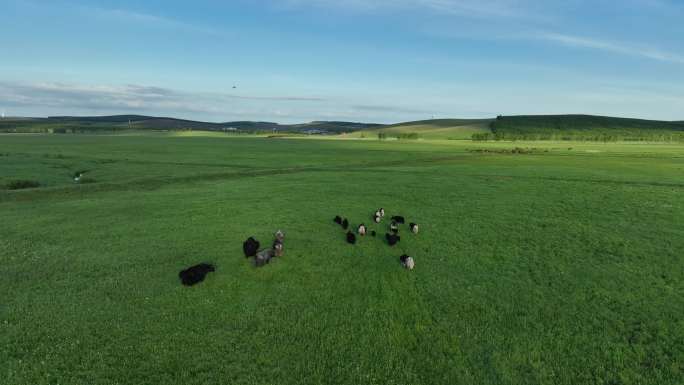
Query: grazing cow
pixel 382 212
pixel 392 239
pixel 377 214
pixel 351 238
pixel 78 175
pixel 362 229
pixel 278 248
pixel 250 247
pixel 195 274
pixel 263 257
pixel 413 227
pixel 398 219
pixel 373 233
pixel 338 220
pixel 393 227
pixel 377 219
pixel 345 224
pixel 279 236
pixel 407 262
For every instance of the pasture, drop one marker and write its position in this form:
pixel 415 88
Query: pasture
pixel 560 265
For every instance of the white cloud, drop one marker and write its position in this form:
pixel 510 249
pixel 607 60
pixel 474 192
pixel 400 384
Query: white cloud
pixel 614 47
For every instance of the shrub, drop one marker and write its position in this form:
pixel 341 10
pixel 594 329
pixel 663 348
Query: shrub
pixel 408 135
pixel 22 184
pixel 482 137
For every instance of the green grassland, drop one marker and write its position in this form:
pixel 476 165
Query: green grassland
pixel 560 264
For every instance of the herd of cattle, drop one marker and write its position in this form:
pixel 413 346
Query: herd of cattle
pixel 392 237
pixel 250 247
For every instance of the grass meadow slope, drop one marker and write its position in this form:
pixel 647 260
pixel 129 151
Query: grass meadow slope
pixel 558 265
pixel 435 129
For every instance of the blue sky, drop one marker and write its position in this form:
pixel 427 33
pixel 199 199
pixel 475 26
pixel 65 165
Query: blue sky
pixel 359 60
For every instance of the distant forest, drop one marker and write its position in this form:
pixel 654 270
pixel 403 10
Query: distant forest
pixel 581 128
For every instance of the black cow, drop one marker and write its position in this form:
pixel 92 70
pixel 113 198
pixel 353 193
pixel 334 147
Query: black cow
pixel 398 219
pixel 407 262
pixel 338 220
pixel 351 238
pixel 413 227
pixel 195 274
pixel 392 239
pixel 345 224
pixel 250 247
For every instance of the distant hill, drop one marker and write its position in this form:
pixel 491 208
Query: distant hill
pixel 334 127
pixel 523 127
pixel 115 123
pixel 430 129
pixel 141 122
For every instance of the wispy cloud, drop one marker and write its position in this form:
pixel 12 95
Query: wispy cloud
pixel 389 109
pixel 518 17
pixel 158 100
pixel 51 98
pixel 126 16
pixel 466 8
pixel 153 20
pixel 495 8
pixel 614 47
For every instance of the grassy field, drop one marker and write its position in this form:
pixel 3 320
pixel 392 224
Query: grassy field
pixel 559 265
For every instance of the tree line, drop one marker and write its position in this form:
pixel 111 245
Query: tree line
pixel 406 135
pixel 586 136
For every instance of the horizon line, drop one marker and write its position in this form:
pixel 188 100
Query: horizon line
pixel 9 117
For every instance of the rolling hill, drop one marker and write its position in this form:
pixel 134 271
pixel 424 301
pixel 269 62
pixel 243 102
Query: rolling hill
pixel 93 124
pixel 522 127
pixel 430 129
